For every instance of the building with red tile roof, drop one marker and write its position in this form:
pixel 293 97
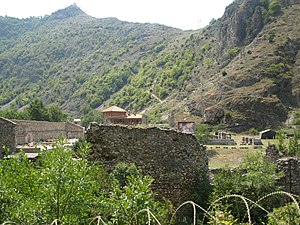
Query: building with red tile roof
pixel 117 115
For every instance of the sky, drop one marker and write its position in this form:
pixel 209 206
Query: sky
pixel 183 14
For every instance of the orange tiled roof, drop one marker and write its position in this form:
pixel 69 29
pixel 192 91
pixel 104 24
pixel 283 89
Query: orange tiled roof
pixel 114 109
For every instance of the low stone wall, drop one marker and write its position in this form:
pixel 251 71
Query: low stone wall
pixel 272 154
pixel 220 142
pixel 175 160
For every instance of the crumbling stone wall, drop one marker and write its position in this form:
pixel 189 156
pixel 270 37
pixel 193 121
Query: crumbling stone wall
pixel 7 136
pixel 176 161
pixel 291 168
pixel 272 154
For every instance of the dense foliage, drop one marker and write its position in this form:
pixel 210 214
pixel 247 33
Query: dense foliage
pixel 70 189
pixel 36 110
pixel 287 214
pixel 203 133
pixel 253 179
pixel 64 186
pixel 291 146
pixel 78 61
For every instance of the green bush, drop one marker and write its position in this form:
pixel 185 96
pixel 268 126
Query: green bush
pixel 288 214
pixel 202 133
pixel 290 147
pixel 271 37
pixel 274 7
pixel 277 69
pixel 253 131
pixel 232 52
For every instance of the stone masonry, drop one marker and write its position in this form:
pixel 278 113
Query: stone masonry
pixel 20 132
pixel 7 135
pixel 291 168
pixel 176 161
pixel 44 130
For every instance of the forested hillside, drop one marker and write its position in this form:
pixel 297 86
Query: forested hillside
pixel 241 69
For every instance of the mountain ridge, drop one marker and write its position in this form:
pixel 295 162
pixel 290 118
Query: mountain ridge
pixel 231 71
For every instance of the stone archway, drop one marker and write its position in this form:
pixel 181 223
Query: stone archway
pixel 29 138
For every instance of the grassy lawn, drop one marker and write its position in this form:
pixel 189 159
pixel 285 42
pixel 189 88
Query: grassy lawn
pixel 231 155
pixel 219 158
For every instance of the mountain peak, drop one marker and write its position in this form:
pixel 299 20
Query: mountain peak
pixel 70 11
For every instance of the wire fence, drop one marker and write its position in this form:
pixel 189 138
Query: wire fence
pixel 152 219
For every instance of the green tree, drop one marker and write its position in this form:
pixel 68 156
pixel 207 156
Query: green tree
pixel 54 114
pixel 293 145
pixel 232 52
pixel 92 116
pixel 202 132
pixel 290 147
pixel 59 187
pixel 37 110
pixel 280 136
pixel 19 198
pixel 68 187
pixel 13 113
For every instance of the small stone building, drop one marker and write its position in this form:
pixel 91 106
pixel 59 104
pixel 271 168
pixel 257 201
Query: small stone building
pixel 117 115
pixel 267 134
pixel 186 127
pixel 20 132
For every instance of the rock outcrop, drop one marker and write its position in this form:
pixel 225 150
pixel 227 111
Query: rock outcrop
pixel 241 23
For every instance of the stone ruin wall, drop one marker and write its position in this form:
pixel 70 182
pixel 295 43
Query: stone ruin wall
pixel 40 130
pixel 73 130
pixel 176 161
pixel 43 130
pixel 9 141
pixel 20 132
pixel 291 168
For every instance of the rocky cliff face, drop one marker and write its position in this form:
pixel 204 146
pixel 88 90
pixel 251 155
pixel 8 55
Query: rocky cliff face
pixel 241 23
pixel 289 2
pixel 258 77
